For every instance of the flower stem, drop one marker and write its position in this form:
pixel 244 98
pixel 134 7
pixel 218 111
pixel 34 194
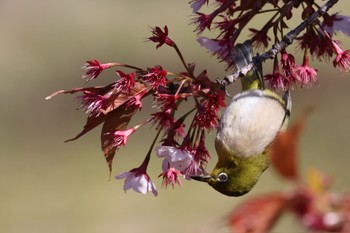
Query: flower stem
pixel 148 156
pixel 190 73
pixel 125 65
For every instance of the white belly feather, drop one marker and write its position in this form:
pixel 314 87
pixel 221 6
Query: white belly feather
pixel 250 123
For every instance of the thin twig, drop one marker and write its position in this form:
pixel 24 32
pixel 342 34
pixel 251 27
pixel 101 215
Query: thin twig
pixel 289 37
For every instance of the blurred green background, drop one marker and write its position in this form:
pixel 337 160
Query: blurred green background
pixel 50 186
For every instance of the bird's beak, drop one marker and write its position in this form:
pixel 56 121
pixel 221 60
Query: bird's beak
pixel 201 178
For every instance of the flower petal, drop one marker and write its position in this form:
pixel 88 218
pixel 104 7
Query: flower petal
pixel 122 175
pixel 176 158
pixel 164 151
pixel 153 188
pixel 180 160
pixel 139 184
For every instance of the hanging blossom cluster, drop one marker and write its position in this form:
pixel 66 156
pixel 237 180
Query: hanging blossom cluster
pixel 230 17
pixel 183 147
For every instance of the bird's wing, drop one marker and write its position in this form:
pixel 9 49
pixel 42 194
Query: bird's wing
pixel 287 99
pixel 249 71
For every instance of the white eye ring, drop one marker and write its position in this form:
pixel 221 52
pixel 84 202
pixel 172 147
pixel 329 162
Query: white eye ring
pixel 222 177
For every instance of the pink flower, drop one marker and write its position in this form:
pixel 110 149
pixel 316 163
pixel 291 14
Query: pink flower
pixel 125 83
pixel 121 137
pixel 171 176
pixel 179 159
pixel 289 69
pixel 156 76
pixel 317 43
pixel 93 68
pixel 276 80
pixel 167 101
pixel 135 101
pixel 92 103
pixel 178 127
pixel 174 157
pixel 307 74
pixel 138 180
pixel 163 119
pixel 203 21
pixel 161 37
pixel 207 120
pixel 207 117
pixel 201 154
pixel 342 60
pixel 194 169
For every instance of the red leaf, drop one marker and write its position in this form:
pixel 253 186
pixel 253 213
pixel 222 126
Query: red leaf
pixel 115 117
pixel 258 215
pixel 91 123
pixel 119 99
pixel 284 151
pixel 118 119
pixel 92 120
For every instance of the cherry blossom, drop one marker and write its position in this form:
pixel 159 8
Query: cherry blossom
pixel 161 37
pixel 138 180
pixel 307 74
pixel 171 176
pixel 176 158
pixel 93 68
pixel 342 60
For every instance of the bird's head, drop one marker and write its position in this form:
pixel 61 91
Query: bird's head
pixel 235 178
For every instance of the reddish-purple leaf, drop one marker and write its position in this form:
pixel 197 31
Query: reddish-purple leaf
pixel 92 120
pixel 259 214
pixel 91 123
pixel 115 116
pixel 118 99
pixel 113 103
pixel 284 151
pixel 118 119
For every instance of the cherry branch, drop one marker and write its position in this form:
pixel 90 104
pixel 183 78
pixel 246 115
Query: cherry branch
pixel 278 46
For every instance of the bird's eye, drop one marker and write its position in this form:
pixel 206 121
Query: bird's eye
pixel 222 177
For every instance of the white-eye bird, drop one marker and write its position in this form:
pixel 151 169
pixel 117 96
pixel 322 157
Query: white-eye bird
pixel 247 128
